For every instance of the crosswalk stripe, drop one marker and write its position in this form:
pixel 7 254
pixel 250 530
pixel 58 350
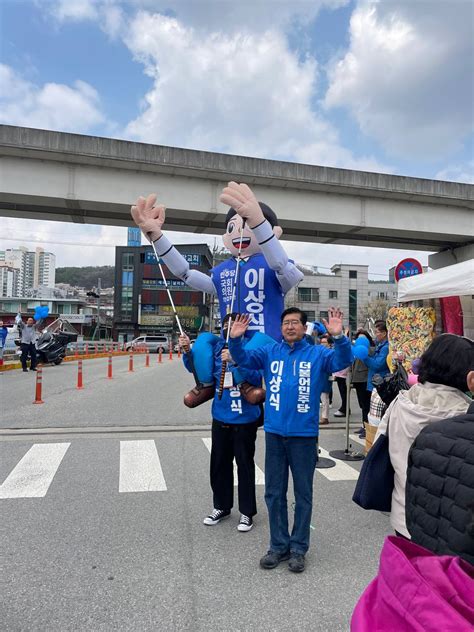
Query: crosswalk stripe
pixel 140 467
pixel 33 475
pixel 341 471
pixel 259 475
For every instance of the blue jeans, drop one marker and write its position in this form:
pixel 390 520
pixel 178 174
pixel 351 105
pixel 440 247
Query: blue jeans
pixel 281 454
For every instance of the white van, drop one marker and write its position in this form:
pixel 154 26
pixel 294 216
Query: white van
pixel 152 343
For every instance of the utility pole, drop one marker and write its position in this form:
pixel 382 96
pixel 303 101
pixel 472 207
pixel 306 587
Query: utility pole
pixel 97 296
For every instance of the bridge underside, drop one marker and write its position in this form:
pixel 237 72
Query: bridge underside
pixel 183 220
pixel 88 180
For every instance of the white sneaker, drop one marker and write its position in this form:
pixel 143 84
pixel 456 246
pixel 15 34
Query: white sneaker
pixel 339 414
pixel 245 523
pixel 216 516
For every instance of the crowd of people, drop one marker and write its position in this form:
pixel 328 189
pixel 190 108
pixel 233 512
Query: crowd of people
pixel 298 376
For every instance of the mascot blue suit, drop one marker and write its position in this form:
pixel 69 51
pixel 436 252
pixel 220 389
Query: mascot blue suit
pixel 265 272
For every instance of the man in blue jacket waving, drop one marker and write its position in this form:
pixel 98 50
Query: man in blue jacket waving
pixel 294 374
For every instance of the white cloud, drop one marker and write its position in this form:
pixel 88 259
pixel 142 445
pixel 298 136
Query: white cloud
pixel 238 93
pixel 51 106
pixel 457 173
pixel 407 77
pixel 108 14
pixel 227 83
pixel 74 10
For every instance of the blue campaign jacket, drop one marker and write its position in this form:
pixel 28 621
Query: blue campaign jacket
pixel 377 363
pixel 258 294
pixel 294 378
pixel 232 408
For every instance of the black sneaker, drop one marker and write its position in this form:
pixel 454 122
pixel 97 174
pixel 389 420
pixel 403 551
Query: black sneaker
pixel 216 516
pixel 245 523
pixel 32 369
pixel 296 563
pixel 25 370
pixel 272 559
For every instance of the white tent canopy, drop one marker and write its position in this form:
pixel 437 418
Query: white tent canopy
pixel 455 280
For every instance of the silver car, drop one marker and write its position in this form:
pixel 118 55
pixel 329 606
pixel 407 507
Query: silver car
pixel 152 343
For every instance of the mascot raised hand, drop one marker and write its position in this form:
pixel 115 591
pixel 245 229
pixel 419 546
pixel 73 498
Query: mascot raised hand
pixel 265 273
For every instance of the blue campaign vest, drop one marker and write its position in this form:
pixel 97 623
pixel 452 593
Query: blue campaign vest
pixel 258 294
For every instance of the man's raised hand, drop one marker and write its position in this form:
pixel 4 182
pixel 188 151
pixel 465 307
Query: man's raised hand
pixel 184 343
pixel 334 322
pixel 241 198
pixel 239 326
pixel 148 217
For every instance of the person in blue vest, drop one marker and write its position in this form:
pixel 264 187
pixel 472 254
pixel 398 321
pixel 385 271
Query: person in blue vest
pixel 294 374
pixel 234 431
pixel 265 273
pixel 3 338
pixel 376 363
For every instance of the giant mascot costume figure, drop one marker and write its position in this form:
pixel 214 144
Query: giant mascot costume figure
pixel 265 276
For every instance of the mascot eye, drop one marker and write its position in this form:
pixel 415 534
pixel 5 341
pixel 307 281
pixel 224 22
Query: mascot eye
pixel 230 227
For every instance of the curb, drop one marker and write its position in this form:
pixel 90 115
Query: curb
pixel 9 432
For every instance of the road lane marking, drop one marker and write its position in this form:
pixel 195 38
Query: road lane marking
pixel 341 471
pixel 140 467
pixel 259 475
pixel 33 475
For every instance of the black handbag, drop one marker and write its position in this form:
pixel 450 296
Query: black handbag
pixel 375 483
pixel 390 385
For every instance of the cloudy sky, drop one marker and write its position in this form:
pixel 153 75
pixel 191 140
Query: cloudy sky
pixel 380 86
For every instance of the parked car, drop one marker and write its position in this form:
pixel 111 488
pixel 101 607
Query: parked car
pixel 152 343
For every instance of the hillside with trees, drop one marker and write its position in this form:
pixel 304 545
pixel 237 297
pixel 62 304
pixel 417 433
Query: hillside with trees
pixel 86 277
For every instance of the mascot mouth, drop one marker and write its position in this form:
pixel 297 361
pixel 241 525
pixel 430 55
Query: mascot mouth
pixel 245 242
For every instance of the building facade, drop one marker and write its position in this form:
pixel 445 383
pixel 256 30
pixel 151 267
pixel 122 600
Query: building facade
pixel 8 280
pixel 35 269
pixel 347 287
pixel 141 302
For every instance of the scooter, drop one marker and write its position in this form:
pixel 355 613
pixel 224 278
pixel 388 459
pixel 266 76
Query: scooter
pixel 52 344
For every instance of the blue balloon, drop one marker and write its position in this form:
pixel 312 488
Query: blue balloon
pixel 320 328
pixel 41 312
pixel 360 352
pixel 362 341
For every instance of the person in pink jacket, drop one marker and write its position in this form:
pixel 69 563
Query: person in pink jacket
pixel 416 591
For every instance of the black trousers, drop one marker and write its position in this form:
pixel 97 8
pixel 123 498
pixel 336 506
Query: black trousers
pixel 341 384
pixel 231 441
pixel 28 349
pixel 363 397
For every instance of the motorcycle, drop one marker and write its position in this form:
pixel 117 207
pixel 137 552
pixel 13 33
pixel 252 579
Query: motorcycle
pixel 52 343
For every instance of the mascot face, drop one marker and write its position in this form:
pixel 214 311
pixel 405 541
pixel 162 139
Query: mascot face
pixel 231 237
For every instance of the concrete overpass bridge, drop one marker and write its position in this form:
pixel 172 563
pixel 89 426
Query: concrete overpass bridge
pixel 85 179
